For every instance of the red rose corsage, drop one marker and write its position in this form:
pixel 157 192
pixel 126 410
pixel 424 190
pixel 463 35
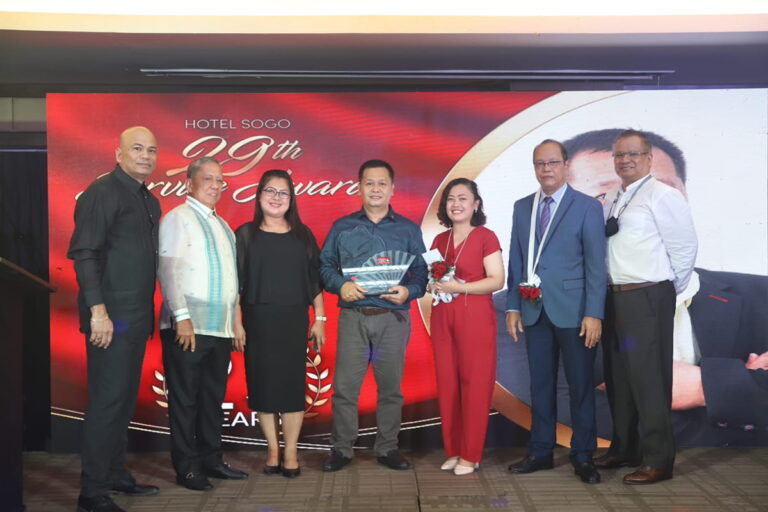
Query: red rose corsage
pixel 529 292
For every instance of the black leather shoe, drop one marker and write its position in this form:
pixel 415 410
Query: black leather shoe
pixel 272 470
pixel 393 460
pixel 335 461
pixel 225 472
pixel 587 472
pixel 97 504
pixel 610 461
pixel 291 473
pixel 194 481
pixel 530 464
pixel 134 489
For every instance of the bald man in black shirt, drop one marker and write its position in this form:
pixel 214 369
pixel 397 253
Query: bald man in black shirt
pixel 114 247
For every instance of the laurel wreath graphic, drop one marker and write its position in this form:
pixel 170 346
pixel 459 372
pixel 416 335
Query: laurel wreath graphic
pixel 317 385
pixel 162 391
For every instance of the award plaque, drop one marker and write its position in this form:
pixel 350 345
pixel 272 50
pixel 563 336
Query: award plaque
pixel 381 271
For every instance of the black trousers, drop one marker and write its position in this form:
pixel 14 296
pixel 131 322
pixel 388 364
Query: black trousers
pixel 638 365
pixel 197 382
pixel 113 385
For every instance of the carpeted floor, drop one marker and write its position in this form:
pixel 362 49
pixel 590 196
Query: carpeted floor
pixel 706 479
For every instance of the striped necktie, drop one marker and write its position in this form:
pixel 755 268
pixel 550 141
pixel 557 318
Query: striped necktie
pixel 546 214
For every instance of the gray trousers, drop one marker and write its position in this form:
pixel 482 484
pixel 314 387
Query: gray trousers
pixel 377 340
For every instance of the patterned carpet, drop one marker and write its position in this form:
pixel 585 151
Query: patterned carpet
pixel 706 479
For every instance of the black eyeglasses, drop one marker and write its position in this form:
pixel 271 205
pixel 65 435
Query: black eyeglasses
pixel 544 165
pixel 280 194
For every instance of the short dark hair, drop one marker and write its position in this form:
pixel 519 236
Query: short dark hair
pixel 195 166
pixel 478 217
pixel 630 132
pixel 602 140
pixel 563 151
pixel 370 164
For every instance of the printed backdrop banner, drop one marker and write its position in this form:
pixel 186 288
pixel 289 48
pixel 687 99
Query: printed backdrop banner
pixel 428 138
pixel 322 139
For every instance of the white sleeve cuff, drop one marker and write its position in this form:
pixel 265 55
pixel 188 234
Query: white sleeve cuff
pixel 181 314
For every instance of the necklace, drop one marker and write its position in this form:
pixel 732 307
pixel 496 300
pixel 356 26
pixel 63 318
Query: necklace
pixel 463 244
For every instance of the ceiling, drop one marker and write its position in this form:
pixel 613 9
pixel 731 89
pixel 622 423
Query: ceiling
pixel 36 62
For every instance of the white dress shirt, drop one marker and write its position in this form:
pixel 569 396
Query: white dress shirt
pixel 656 239
pixel 198 270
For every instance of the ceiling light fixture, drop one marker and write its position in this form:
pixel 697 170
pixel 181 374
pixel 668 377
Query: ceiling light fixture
pixel 441 74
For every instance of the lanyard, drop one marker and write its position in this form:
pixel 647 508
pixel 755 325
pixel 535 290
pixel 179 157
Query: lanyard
pixel 447 245
pixel 531 276
pixel 624 206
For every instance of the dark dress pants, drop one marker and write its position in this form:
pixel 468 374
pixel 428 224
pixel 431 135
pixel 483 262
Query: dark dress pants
pixel 544 342
pixel 197 383
pixel 638 363
pixel 114 374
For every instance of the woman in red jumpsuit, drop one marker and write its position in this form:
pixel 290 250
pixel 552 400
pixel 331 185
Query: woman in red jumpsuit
pixel 463 330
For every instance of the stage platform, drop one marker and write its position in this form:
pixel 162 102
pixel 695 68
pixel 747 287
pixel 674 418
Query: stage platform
pixel 706 479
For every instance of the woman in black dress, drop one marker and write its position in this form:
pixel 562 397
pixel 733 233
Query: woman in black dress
pixel 278 267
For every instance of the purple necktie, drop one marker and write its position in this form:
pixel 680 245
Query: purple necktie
pixel 546 213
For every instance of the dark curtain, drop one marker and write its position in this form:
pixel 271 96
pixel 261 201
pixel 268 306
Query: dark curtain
pixel 24 241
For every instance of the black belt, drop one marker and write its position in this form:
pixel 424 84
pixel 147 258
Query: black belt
pixel 630 286
pixel 400 315
pixel 372 311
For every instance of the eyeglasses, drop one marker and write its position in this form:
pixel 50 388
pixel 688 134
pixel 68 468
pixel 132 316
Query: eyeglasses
pixel 280 194
pixel 631 154
pixel 550 164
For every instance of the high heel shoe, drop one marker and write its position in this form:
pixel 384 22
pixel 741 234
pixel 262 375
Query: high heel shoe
pixel 291 473
pixel 460 470
pixel 273 470
pixel 449 463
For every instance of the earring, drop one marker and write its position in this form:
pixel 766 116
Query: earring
pixel 475 210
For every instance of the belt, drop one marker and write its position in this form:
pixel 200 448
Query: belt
pixel 630 286
pixel 399 314
pixel 372 311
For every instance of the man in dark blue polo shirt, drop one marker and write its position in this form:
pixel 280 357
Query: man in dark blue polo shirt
pixel 373 328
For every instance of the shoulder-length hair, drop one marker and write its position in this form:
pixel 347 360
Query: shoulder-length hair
pixel 298 228
pixel 478 216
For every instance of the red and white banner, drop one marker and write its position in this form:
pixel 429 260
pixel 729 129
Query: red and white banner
pixel 321 138
pixel 428 138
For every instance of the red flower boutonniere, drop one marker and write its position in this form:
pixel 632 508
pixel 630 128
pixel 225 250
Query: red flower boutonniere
pixel 529 292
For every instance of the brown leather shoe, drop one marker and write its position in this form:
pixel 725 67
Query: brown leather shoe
pixel 610 461
pixel 647 475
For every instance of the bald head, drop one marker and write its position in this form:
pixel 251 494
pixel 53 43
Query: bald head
pixel 137 153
